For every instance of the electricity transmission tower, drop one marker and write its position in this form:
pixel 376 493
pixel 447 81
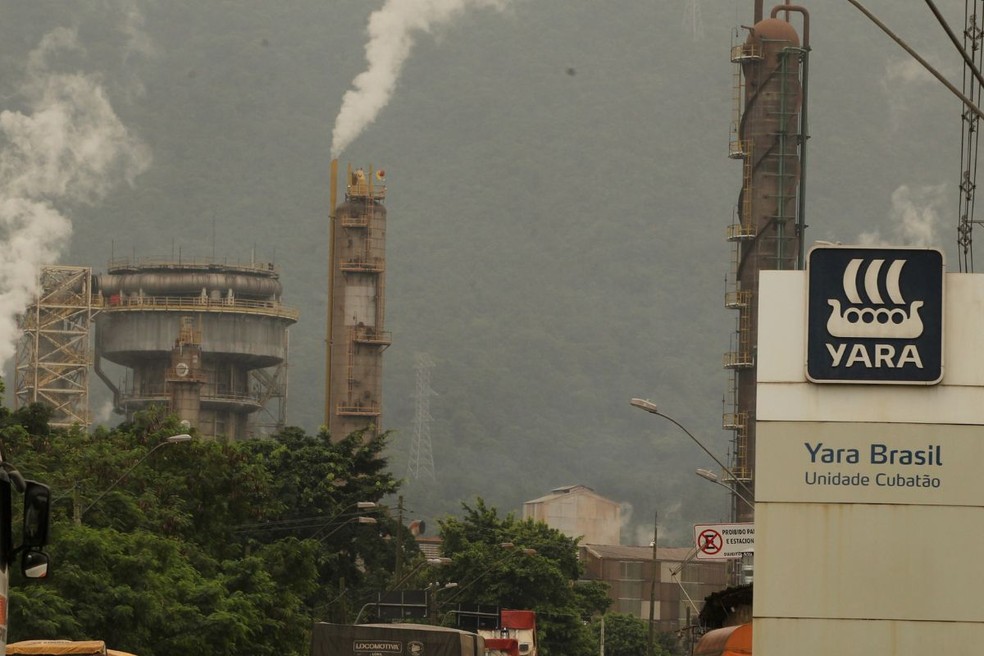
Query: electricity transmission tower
pixel 969 138
pixel 421 462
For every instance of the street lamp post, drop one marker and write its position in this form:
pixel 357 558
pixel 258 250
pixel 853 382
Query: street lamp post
pixel 432 591
pixel 428 561
pixel 173 439
pixel 512 551
pixel 321 523
pixel 651 408
pixel 360 519
pixel 652 588
pixel 707 474
pixel 358 506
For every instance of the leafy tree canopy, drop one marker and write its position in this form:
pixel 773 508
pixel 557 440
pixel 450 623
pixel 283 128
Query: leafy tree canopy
pixel 520 564
pixel 204 546
pixel 627 635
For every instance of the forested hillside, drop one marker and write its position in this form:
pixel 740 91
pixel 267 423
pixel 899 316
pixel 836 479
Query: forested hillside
pixel 559 189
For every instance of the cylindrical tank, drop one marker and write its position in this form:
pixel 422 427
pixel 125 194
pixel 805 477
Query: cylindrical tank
pixel 240 285
pixel 240 324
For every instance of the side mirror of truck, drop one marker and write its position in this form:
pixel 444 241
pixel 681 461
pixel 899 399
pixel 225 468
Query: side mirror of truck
pixel 34 564
pixel 37 503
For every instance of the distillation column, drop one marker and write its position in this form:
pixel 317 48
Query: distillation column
pixel 356 335
pixel 766 233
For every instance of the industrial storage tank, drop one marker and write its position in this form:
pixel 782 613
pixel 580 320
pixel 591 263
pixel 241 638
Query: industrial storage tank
pixel 208 341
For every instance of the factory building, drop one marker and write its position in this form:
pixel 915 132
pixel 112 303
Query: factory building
pixel 668 586
pixel 577 511
pixel 356 335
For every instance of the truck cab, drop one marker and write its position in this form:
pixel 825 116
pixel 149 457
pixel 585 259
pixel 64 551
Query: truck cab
pixel 34 534
pixel 515 636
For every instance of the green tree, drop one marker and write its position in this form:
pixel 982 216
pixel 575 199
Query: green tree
pixel 628 635
pixel 205 547
pixel 519 564
pixel 318 487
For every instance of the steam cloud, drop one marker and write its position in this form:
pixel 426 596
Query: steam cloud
pixel 66 147
pixel 391 37
pixel 915 217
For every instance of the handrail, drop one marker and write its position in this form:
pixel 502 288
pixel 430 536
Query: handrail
pixel 165 303
pixel 204 395
pixel 362 410
pixel 187 263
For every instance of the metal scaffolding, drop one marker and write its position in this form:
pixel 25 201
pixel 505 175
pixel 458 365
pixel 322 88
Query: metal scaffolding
pixel 54 352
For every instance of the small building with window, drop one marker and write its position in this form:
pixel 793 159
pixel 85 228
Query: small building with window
pixel 680 588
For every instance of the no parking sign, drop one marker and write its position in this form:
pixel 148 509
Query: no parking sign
pixel 723 541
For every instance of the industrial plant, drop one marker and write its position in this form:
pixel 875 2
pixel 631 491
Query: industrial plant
pixel 207 341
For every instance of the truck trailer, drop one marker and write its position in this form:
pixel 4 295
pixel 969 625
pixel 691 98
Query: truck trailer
pixel 393 640
pixel 63 648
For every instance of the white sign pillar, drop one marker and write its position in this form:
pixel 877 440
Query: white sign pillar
pixel 869 497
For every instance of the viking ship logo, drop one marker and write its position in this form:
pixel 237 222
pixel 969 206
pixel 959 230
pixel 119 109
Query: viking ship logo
pixel 878 318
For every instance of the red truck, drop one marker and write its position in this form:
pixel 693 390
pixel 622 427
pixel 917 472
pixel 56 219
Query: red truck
pixel 516 635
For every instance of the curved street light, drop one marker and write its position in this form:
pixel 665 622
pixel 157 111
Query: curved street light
pixel 650 407
pixel 707 474
pixel 432 591
pixel 173 439
pixel 360 519
pixel 358 507
pixel 320 522
pixel 439 561
pixel 512 551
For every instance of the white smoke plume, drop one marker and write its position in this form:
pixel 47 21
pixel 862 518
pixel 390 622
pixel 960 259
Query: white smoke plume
pixel 904 82
pixel 915 218
pixel 66 146
pixel 392 30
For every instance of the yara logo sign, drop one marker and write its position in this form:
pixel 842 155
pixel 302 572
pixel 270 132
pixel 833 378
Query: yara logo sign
pixel 875 315
pixel 876 320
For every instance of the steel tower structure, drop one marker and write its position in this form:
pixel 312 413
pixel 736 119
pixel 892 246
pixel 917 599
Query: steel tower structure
pixel 768 137
pixel 356 336
pixel 54 352
pixel 421 462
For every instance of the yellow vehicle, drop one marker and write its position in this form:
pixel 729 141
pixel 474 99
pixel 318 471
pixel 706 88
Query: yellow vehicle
pixel 62 648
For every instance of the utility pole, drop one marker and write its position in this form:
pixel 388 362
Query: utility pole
pixel 652 587
pixel 399 539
